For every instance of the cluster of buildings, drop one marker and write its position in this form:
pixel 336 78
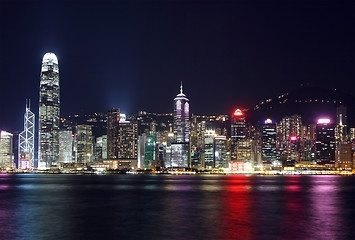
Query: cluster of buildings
pixel 177 141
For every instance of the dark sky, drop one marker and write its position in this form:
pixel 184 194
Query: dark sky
pixel 133 55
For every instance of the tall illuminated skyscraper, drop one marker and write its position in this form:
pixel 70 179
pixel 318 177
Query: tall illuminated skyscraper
pixel 26 158
pixel 181 118
pixel 238 131
pixel 49 112
pixel 180 146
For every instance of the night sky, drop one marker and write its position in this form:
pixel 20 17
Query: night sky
pixel 133 55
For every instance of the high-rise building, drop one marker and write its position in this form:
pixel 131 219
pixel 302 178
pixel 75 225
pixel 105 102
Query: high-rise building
pixel 268 147
pixel 290 126
pixel 238 131
pixel 65 146
pixel 101 148
pixel 84 144
pixel 181 118
pixel 352 134
pixel 49 112
pixel 26 148
pixel 127 141
pixel 150 151
pixel 180 147
pixel 341 130
pixel 344 157
pixel 6 150
pixel 325 143
pixel 221 152
pixel 208 149
pixel 113 119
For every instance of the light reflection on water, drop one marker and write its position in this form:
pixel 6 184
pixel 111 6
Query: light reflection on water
pixel 176 207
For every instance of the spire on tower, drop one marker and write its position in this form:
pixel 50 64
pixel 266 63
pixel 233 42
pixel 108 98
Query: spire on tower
pixel 181 88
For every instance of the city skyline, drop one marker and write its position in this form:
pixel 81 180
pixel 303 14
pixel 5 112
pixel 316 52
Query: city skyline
pixel 240 53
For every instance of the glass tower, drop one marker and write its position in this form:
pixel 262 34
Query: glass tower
pixel 26 158
pixel 49 112
pixel 181 118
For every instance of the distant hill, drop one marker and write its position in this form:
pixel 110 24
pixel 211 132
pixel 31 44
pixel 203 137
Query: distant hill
pixel 309 102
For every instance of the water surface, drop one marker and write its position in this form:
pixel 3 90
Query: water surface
pixel 176 207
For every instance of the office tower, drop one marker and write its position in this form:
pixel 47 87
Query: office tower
pixel 6 150
pixel 180 147
pixel 150 151
pixel 344 157
pixel 127 141
pixel 268 146
pixel 181 117
pixel 141 150
pixel 49 112
pixel 352 134
pixel 84 145
pixel 26 148
pixel 208 149
pixel 325 143
pixel 245 154
pixel 113 119
pixel 221 152
pixel 341 130
pixel 238 131
pixel 65 146
pixel 290 126
pixel 101 148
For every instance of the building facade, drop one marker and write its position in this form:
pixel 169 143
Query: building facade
pixel 49 113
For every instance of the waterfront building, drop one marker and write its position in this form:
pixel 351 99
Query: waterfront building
pixel 49 113
pixel 221 152
pixel 238 131
pixel 325 143
pixel 84 144
pixel 208 150
pixel 113 119
pixel 26 147
pixel 344 157
pixel 180 146
pixel 101 147
pixel 127 142
pixel 150 151
pixel 65 146
pixel 181 118
pixel 6 150
pixel 268 147
pixel 245 155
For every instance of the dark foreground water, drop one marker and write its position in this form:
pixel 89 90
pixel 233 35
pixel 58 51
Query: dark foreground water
pixel 176 207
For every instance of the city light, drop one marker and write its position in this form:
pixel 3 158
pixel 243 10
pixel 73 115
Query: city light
pixel 268 121
pixel 323 120
pixel 238 113
pixel 293 138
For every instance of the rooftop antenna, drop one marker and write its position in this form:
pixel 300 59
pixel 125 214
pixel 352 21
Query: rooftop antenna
pixel 181 88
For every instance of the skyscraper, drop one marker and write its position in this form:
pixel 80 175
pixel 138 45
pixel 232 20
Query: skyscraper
pixel 65 146
pixel 180 146
pixel 6 150
pixel 84 143
pixel 325 143
pixel 268 147
pixel 49 112
pixel 26 158
pixel 341 130
pixel 181 118
pixel 238 131
pixel 113 119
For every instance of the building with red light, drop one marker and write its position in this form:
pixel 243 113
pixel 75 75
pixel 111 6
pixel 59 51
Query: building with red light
pixel 238 131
